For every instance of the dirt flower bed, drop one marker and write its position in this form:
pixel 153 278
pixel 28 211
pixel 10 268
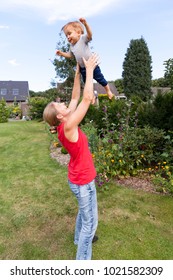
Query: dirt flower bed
pixel 61 158
pixel 138 183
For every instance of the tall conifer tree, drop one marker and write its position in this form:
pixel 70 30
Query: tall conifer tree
pixel 137 70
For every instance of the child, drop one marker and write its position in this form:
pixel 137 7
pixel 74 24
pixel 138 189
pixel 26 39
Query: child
pixel 79 47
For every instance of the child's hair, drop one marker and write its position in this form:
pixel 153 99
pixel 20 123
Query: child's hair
pixel 50 114
pixel 75 24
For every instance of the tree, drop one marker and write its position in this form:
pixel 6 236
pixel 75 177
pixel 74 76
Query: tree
pixel 119 85
pixel 4 111
pixel 160 82
pixel 137 70
pixel 157 113
pixel 169 72
pixel 36 107
pixel 64 67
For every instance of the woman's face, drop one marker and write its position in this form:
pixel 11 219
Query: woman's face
pixel 62 108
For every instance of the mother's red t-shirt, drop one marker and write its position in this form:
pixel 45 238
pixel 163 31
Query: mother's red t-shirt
pixel 81 168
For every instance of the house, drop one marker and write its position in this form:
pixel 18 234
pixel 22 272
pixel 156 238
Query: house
pixel 156 90
pixel 11 91
pixel 15 91
pixel 100 89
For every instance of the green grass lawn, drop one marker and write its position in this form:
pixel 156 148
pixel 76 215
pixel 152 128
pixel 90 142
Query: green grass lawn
pixel 37 209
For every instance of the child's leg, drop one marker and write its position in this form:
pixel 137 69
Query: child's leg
pixel 98 76
pixel 108 91
pixel 83 73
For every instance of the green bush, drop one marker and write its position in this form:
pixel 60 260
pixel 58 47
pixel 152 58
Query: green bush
pixel 37 105
pixel 113 108
pixel 15 111
pixel 4 111
pixel 157 113
pixel 91 131
pixel 64 151
pixel 124 150
pixel 131 150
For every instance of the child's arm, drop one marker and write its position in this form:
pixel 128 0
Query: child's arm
pixel 64 54
pixel 87 27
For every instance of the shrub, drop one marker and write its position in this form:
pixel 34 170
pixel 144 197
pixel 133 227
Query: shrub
pixel 37 105
pixel 123 150
pixel 64 151
pixel 91 131
pixel 4 111
pixel 157 113
pixel 15 111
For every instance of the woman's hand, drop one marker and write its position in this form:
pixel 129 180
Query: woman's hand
pixel 77 69
pixel 92 62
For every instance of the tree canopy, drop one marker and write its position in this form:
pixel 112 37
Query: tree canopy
pixel 137 70
pixel 169 72
pixel 64 67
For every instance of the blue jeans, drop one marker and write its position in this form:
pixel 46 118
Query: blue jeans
pixel 97 75
pixel 87 218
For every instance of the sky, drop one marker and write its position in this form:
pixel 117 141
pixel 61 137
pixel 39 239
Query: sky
pixel 29 32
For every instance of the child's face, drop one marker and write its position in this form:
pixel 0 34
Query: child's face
pixel 72 35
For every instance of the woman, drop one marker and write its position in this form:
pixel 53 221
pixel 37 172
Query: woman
pixel 81 170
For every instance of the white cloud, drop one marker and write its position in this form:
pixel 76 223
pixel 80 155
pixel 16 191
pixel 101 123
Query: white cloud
pixel 53 10
pixel 13 62
pixel 4 27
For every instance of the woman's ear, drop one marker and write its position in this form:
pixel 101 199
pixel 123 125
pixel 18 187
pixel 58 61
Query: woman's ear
pixel 59 116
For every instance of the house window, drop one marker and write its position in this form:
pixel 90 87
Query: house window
pixel 3 91
pixel 15 91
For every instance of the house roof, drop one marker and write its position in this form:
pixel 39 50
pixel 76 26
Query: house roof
pixel 97 87
pixel 14 90
pixel 100 89
pixel 162 90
